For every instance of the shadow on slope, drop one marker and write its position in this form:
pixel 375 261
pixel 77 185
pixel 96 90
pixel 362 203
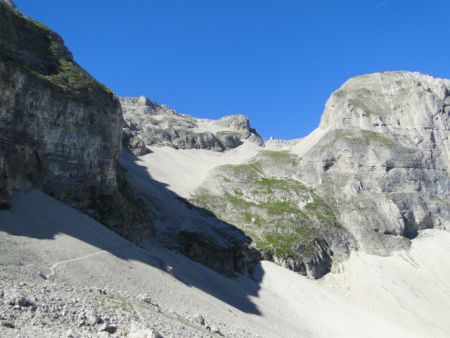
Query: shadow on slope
pixel 195 231
pixel 45 231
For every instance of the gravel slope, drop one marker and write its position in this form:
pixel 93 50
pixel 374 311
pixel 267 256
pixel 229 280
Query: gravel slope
pixel 92 270
pixel 185 169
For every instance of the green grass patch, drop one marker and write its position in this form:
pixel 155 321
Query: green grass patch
pixel 273 183
pixel 38 24
pixel 340 93
pixel 371 137
pixel 297 244
pixel 361 137
pixel 238 192
pixel 247 167
pixel 71 76
pixel 279 244
pixel 283 157
pixel 321 211
pixel 269 184
pixel 281 208
pixel 238 201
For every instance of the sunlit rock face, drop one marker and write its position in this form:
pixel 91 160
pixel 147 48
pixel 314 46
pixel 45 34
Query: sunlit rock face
pixel 389 102
pixel 152 124
pixel 385 158
pixel 375 176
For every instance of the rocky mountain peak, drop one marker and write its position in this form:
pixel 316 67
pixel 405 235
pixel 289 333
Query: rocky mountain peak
pixel 151 124
pixel 144 101
pixel 370 178
pixel 142 105
pixel 237 121
pixel 387 101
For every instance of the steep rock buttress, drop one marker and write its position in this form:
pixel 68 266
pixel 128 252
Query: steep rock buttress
pixel 60 130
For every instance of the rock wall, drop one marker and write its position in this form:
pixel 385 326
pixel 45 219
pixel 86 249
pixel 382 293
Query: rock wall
pixel 377 176
pixel 288 222
pixel 60 130
pixel 385 158
pixel 151 124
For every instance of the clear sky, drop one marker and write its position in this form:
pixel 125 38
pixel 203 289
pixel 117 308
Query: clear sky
pixel 276 61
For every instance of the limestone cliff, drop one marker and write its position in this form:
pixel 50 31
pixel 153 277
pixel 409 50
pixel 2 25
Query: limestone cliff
pixel 369 178
pixel 374 174
pixel 60 130
pixel 287 220
pixel 152 124
pixel 384 159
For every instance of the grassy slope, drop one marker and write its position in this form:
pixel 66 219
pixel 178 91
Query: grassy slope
pixel 280 214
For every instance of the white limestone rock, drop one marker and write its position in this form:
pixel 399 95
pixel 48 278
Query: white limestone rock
pixel 377 165
pixel 159 125
pixel 384 161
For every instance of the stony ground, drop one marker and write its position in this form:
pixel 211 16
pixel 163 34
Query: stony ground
pixel 31 305
pixel 64 275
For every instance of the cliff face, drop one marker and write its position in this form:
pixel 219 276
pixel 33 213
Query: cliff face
pixel 287 220
pixel 152 124
pixel 373 174
pixel 384 159
pixel 60 130
pixel 369 178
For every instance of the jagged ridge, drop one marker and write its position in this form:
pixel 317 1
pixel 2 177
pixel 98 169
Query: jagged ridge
pixel 151 124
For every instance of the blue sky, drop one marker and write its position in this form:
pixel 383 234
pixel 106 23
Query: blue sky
pixel 276 61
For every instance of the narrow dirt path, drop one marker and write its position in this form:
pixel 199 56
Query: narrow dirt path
pixel 55 265
pixel 157 262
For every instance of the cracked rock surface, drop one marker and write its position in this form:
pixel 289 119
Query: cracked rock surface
pixel 153 124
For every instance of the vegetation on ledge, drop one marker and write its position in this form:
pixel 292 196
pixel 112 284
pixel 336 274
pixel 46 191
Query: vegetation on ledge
pixel 281 215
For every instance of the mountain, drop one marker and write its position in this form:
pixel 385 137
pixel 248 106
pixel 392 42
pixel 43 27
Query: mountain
pixel 372 175
pixel 122 217
pixel 60 129
pixel 148 123
pixel 386 150
pixel 100 281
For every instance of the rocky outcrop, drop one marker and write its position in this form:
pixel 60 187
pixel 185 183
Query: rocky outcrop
pixel 227 251
pixel 193 231
pixel 288 222
pixel 374 174
pixel 385 158
pixel 60 130
pixel 158 125
pixel 182 226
